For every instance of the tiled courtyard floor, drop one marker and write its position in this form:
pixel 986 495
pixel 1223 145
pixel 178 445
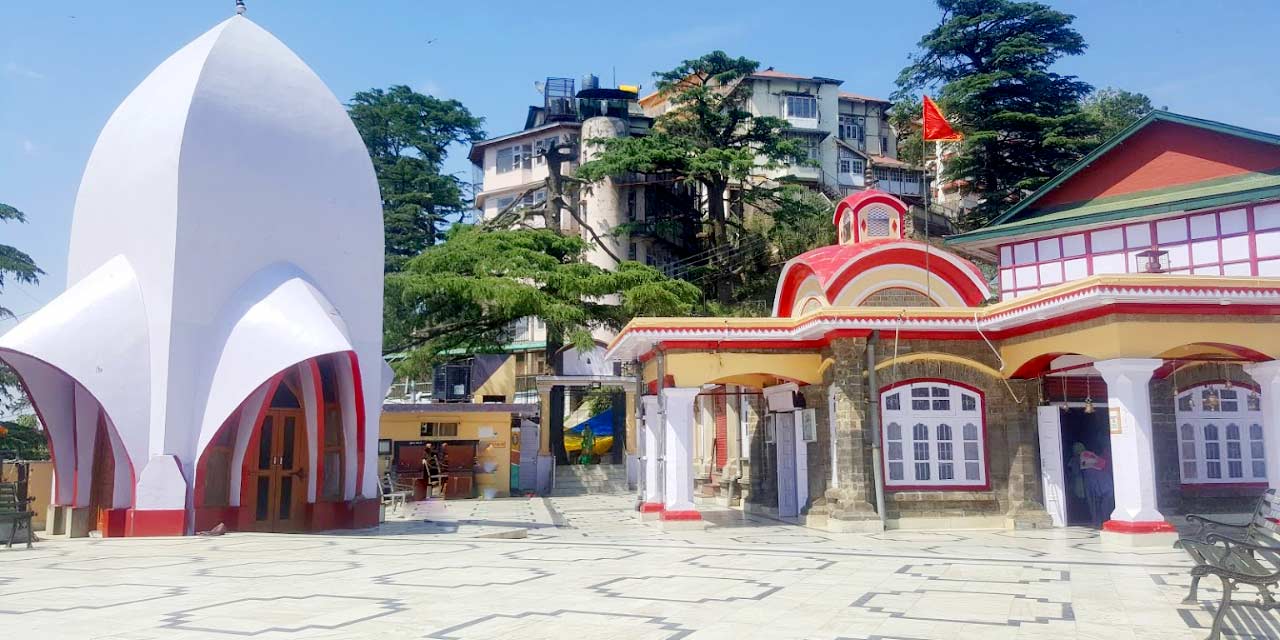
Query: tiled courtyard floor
pixel 589 570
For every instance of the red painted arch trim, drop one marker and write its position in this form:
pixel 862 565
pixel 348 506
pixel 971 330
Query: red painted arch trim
pixel 859 201
pixel 1121 526
pixel 318 388
pixel 53 456
pixel 793 276
pixel 255 437
pixel 986 449
pixel 964 283
pixel 356 382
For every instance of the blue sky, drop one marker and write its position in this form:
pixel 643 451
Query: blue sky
pixel 64 66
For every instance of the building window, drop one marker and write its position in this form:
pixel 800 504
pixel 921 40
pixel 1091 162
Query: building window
pixel 515 157
pixel 933 436
pixel 852 166
pixel 802 106
pixel 878 221
pixel 439 430
pixel 1235 242
pixel 851 128
pixel 540 149
pixel 1220 435
pixel 809 149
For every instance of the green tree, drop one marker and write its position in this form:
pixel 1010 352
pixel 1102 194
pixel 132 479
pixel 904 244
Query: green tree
pixel 708 137
pixel 465 293
pixel 1116 109
pixel 989 61
pixel 21 437
pixel 15 266
pixel 408 135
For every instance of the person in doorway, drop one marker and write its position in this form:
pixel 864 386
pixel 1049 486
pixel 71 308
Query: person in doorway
pixel 1097 485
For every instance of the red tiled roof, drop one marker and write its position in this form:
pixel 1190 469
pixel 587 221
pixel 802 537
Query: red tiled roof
pixel 854 96
pixel 770 73
pixel 886 161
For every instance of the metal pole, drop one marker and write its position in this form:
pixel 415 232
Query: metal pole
pixel 873 419
pixel 928 187
pixel 661 480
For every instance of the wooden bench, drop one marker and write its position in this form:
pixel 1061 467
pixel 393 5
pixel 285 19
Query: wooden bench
pixel 13 510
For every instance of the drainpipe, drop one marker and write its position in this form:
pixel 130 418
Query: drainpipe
pixel 873 418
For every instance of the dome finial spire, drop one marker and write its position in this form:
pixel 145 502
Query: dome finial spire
pixel 240 8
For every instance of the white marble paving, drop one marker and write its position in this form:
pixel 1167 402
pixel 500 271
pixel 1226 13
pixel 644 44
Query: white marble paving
pixel 588 569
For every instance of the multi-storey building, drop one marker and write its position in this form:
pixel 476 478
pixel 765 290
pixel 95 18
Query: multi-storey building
pixel 846 136
pixel 623 218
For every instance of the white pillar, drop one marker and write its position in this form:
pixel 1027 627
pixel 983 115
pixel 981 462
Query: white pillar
pixel 677 456
pixel 651 456
pixel 1132 456
pixel 1267 374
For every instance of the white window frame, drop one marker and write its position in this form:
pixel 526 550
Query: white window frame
pixel 1201 455
pixel 520 158
pixel 810 113
pixel 850 127
pixel 922 463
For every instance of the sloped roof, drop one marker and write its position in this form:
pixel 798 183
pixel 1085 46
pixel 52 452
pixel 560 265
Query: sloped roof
pixel 1041 212
pixel 845 95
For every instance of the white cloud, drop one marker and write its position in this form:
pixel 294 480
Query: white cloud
pixel 16 70
pixel 428 87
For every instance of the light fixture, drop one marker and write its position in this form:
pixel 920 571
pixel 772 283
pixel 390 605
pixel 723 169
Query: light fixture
pixel 1064 406
pixel 1088 395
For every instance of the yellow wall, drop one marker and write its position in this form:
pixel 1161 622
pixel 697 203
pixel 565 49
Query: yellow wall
pixel 692 369
pixel 39 486
pixel 407 426
pixel 1142 338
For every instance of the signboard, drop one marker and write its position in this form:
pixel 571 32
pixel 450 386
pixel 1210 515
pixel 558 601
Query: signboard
pixel 1117 422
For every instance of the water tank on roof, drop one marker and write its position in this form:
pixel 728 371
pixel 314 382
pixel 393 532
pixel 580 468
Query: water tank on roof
pixel 590 81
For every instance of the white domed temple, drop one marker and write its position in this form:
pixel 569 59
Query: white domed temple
pixel 216 356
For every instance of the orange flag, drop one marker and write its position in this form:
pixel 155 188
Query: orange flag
pixel 936 127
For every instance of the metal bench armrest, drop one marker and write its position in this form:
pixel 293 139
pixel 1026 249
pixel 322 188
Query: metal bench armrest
pixel 1233 543
pixel 1205 520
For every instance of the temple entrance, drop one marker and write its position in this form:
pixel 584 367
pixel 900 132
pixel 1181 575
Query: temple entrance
pixel 278 476
pixel 1086 462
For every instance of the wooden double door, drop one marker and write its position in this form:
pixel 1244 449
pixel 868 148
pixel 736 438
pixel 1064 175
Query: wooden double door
pixel 278 475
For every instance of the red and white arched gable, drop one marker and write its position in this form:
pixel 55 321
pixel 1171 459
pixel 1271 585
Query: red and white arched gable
pixel 870 215
pixel 876 265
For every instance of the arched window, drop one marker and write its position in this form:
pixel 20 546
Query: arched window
pixel 1211 443
pixel 878 221
pixel 935 453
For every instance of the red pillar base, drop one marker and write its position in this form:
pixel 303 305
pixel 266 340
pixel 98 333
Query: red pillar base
pixel 650 511
pixel 158 522
pixel 682 520
pixel 364 513
pixel 1122 533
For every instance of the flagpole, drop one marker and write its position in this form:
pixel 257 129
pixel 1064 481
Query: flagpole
pixel 928 186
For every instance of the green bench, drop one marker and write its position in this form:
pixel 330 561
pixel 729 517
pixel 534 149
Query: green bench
pixel 1237 554
pixel 13 510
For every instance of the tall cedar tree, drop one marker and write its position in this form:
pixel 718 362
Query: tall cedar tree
pixel 708 137
pixel 464 293
pixel 15 266
pixel 408 135
pixel 1022 122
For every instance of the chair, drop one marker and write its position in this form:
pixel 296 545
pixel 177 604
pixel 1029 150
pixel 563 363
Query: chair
pixel 390 496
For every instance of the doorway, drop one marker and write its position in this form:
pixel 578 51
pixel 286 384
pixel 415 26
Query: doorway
pixel 1089 493
pixel 102 487
pixel 278 476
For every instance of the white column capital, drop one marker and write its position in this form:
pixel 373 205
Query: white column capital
pixel 1135 369
pixel 1264 372
pixel 681 393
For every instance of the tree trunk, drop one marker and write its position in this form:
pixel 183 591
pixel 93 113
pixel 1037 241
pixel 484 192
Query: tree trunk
pixel 719 239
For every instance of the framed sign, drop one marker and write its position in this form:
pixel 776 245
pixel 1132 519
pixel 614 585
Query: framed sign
pixel 1115 419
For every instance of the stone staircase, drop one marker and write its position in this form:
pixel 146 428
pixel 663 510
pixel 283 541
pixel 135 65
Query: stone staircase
pixel 592 479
